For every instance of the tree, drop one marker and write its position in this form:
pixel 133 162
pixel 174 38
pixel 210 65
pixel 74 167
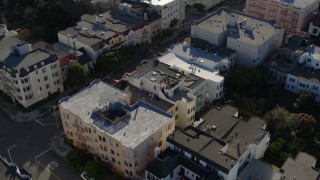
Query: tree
pixel 198 6
pixel 173 23
pixel 167 33
pixel 306 125
pixel 276 147
pixel 76 74
pixel 305 104
pixel 281 118
pixel 95 169
pixel 77 159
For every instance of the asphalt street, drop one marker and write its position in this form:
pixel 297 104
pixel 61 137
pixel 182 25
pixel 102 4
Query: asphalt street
pixel 28 145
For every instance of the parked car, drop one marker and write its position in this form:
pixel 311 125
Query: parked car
pixel 85 176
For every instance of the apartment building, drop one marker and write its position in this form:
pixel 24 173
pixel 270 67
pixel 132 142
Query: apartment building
pixel 27 76
pixel 314 26
pixel 100 120
pixel 240 32
pixel 169 10
pixel 110 30
pixel 223 143
pixel 294 16
pixel 302 74
pixel 168 89
pixel 188 60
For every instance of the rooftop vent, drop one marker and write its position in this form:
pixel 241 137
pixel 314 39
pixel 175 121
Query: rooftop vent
pixel 153 79
pixel 154 73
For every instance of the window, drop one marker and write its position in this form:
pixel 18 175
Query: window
pixel 113 160
pixel 112 151
pixel 177 108
pixel 38 80
pixel 44 70
pixel 110 142
pixel 47 86
pixel 169 127
pixel 45 78
pixel 155 88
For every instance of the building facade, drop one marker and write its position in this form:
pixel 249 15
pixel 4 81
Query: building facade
pixel 28 76
pixel 222 144
pixel 98 119
pixel 314 26
pixel 240 32
pixel 294 16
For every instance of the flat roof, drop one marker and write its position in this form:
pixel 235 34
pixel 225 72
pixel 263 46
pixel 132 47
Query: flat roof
pixel 169 160
pixel 201 57
pixel 138 95
pixel 231 127
pixel 306 73
pixel 301 167
pixel 174 61
pixel 204 147
pixel 247 28
pixel 143 120
pixel 158 2
pixel 259 170
pixel 6 45
pixel 190 81
pixel 298 3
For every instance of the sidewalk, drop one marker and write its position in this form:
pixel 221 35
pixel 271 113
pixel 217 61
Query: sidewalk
pixel 59 146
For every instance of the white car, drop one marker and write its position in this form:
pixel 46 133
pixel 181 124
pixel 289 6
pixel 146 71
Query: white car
pixel 85 176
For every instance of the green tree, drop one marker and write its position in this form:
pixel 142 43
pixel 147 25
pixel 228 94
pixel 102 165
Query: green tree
pixel 76 74
pixel 281 118
pixel 107 62
pixel 173 23
pixel 77 159
pixel 276 147
pixel 198 6
pixel 167 33
pixel 95 169
pixel 305 104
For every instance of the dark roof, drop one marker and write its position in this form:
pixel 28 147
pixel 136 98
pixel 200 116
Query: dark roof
pixel 83 59
pixel 316 19
pixel 300 168
pixel 136 95
pixel 204 147
pixel 169 160
pixel 233 128
pixel 190 81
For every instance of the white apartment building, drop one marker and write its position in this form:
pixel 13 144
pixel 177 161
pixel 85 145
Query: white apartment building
pixel 110 30
pixel 189 60
pixel 27 76
pixel 252 38
pixel 293 15
pixel 169 10
pixel 306 76
pixel 314 26
pixel 156 82
pixel 223 144
pixel 99 120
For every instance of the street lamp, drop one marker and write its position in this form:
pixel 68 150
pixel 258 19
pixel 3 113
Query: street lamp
pixel 9 152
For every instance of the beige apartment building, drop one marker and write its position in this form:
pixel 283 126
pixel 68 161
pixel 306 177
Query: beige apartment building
pixel 293 15
pixel 98 119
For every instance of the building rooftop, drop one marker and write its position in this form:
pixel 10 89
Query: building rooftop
pixel 204 46
pixel 7 45
pixel 259 170
pixel 169 160
pixel 300 168
pixel 246 28
pixel 105 107
pixel 292 67
pixel 157 2
pixel 136 95
pixel 228 125
pixel 92 29
pixel 204 147
pixel 202 58
pixel 175 62
pixel 298 3
pixel 147 67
